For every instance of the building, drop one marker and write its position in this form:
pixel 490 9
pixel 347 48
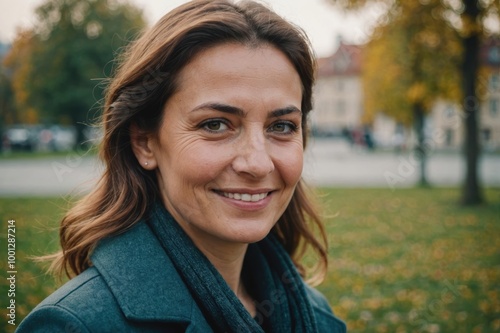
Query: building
pixel 338 94
pixel 339 102
pixel 448 118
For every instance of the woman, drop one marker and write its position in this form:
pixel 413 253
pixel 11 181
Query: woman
pixel 201 219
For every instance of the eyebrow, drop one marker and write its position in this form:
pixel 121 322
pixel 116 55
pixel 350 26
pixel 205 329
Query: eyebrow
pixel 225 108
pixel 284 111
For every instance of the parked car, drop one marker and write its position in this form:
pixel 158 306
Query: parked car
pixel 63 137
pixel 20 138
pixel 38 138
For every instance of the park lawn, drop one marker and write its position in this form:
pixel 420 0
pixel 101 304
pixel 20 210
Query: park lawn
pixel 408 260
pixel 36 221
pixel 412 260
pixel 38 155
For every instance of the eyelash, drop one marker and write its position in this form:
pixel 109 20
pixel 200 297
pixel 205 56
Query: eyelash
pixel 204 125
pixel 293 128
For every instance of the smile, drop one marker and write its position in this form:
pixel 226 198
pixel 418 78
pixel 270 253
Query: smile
pixel 245 196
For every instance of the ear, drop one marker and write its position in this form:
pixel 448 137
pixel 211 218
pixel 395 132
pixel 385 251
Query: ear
pixel 143 145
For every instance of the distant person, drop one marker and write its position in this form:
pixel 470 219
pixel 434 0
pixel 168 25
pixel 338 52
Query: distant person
pixel 368 138
pixel 198 222
pixel 346 133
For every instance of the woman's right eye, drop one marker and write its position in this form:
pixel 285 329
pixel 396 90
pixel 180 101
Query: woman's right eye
pixel 215 126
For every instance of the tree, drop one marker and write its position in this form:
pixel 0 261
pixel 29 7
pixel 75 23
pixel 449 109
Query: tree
pixel 7 114
pixel 474 12
pixel 468 18
pixel 17 64
pixel 402 74
pixel 71 51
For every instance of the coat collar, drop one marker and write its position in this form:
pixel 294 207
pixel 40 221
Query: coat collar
pixel 147 287
pixel 142 278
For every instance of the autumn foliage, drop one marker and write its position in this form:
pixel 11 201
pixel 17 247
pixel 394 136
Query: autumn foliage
pixel 60 67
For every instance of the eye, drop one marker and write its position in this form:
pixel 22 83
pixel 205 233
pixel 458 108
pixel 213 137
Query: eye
pixel 283 127
pixel 215 126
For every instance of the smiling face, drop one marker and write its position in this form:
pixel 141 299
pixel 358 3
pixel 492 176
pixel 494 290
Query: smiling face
pixel 229 151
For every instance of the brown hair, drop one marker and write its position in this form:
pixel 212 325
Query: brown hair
pixel 144 81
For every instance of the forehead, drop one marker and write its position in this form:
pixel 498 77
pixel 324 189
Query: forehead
pixel 235 63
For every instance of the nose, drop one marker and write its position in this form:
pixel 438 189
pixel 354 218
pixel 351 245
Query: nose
pixel 252 156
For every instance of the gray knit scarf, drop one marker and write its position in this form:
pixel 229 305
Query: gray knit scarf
pixel 268 273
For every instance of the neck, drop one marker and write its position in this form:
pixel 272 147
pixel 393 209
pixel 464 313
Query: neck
pixel 228 260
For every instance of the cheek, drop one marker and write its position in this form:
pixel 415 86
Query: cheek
pixel 197 164
pixel 290 162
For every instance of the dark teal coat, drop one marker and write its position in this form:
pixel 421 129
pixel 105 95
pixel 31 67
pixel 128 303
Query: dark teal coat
pixel 134 287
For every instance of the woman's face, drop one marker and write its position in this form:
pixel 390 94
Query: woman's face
pixel 229 150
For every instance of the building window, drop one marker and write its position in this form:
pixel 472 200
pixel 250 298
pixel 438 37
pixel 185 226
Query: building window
pixel 494 55
pixel 494 107
pixel 340 85
pixel 449 137
pixel 486 135
pixel 449 111
pixel 340 107
pixel 494 82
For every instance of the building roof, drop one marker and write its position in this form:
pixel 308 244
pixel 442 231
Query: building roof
pixel 346 61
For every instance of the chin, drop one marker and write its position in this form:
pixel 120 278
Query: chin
pixel 248 236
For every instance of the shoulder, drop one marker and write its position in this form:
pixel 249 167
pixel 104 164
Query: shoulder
pixel 326 320
pixel 83 304
pixel 132 287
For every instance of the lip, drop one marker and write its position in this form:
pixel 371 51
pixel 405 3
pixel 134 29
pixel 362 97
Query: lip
pixel 244 190
pixel 246 205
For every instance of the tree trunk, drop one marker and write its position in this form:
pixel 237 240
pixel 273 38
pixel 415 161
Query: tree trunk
pixel 471 193
pixel 420 149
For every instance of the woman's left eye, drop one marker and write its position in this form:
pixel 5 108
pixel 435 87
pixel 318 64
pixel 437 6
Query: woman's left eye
pixel 283 128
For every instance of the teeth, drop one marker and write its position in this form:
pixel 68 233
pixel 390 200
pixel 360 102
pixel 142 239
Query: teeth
pixel 245 196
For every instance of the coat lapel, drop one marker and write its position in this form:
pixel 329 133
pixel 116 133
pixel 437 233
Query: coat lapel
pixel 143 279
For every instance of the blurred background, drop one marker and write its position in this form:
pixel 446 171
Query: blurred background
pixel 404 146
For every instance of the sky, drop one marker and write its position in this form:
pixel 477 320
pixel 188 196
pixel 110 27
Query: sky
pixel 323 22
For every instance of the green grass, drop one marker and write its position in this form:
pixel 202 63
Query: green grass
pixel 17 155
pixel 413 261
pixel 401 261
pixel 36 221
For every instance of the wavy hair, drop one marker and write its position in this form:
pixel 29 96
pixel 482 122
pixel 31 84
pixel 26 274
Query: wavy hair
pixel 144 80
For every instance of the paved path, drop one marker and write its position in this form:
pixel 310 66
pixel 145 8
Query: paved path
pixel 327 163
pixel 54 176
pixel 335 163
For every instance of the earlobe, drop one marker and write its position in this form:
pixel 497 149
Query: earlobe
pixel 143 147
